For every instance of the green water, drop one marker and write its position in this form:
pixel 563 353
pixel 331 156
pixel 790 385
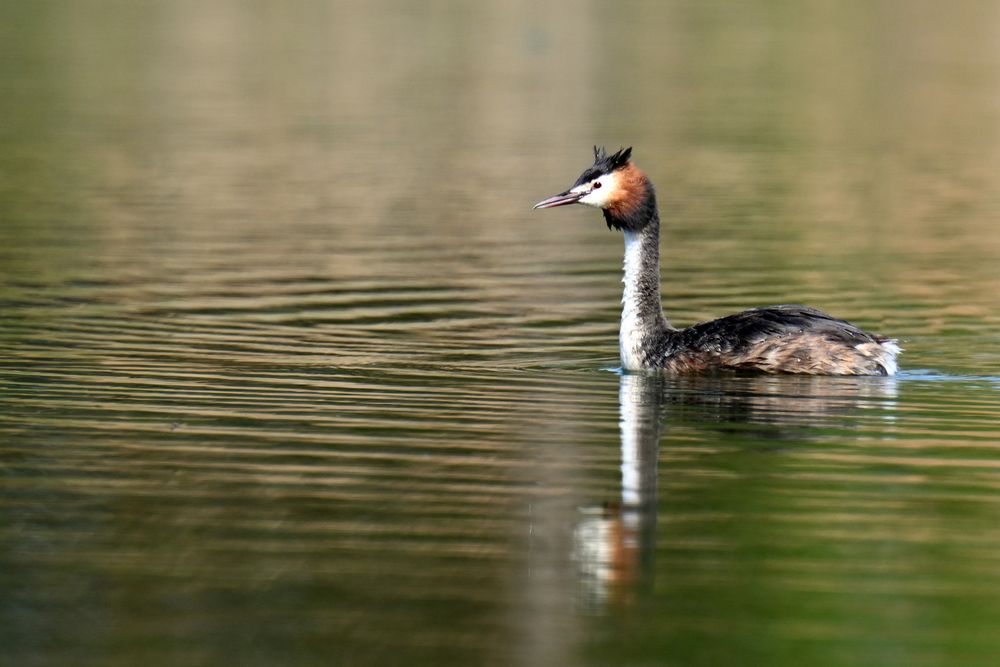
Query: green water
pixel 291 373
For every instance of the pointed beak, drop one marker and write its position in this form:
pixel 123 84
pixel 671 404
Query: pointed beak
pixel 561 199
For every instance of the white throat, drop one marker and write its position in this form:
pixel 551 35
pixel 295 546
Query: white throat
pixel 630 335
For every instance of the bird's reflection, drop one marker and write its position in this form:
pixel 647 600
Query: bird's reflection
pixel 614 543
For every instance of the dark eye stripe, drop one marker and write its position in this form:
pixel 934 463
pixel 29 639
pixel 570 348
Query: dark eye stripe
pixel 588 176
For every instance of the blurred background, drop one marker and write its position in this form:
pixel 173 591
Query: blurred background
pixel 290 372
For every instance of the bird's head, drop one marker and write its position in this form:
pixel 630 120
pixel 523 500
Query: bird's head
pixel 614 185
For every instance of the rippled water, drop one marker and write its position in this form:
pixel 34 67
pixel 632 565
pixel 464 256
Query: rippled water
pixel 290 373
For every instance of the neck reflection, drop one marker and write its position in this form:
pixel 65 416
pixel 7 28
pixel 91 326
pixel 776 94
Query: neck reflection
pixel 614 544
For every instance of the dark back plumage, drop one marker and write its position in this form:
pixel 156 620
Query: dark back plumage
pixel 735 333
pixel 777 339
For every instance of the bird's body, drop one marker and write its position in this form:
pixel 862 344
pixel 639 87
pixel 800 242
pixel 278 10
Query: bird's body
pixel 775 339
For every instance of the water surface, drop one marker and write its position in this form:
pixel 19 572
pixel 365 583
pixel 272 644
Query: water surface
pixel 290 373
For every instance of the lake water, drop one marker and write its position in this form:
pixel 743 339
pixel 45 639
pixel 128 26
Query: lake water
pixel 291 373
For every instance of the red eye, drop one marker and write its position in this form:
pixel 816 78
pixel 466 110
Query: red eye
pixel 597 185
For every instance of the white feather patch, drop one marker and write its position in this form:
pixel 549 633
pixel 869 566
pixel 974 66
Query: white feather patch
pixel 891 349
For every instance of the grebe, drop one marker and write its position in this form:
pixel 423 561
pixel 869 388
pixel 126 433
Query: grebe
pixel 775 339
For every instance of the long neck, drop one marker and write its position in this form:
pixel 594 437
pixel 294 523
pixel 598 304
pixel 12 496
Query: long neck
pixel 643 324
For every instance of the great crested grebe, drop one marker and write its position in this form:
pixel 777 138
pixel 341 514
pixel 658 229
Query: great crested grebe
pixel 775 339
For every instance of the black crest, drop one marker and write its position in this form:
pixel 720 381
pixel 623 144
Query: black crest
pixel 608 163
pixel 604 164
